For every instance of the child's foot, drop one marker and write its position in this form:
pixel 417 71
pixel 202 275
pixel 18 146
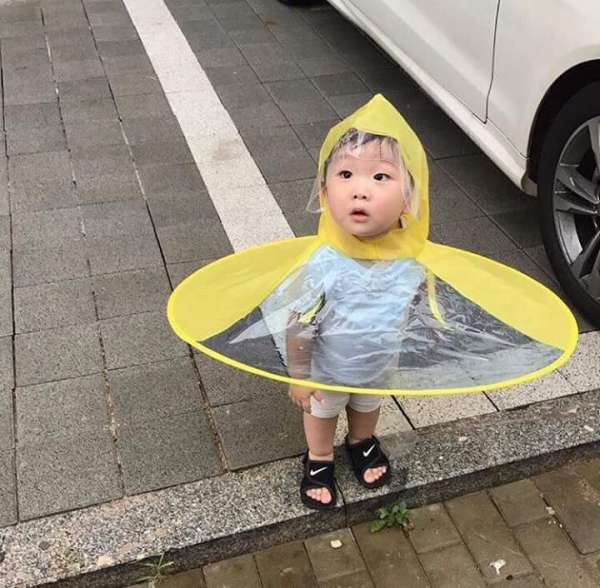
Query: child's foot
pixel 370 465
pixel 371 474
pixel 322 495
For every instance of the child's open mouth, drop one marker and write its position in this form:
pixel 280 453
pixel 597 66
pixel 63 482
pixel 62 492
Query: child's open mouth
pixel 358 214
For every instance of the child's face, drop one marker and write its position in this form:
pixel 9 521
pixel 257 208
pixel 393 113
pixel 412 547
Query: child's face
pixel 365 194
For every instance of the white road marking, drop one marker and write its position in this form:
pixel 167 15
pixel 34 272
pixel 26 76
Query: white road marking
pixel 248 211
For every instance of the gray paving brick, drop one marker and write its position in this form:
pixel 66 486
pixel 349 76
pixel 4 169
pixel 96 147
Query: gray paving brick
pixel 36 140
pixel 48 306
pixel 40 166
pixel 157 179
pixel 131 292
pixel 549 549
pixel 190 241
pixel 66 22
pixel 576 503
pixel 8 494
pixel 61 473
pixel 228 10
pixel 84 89
pixel 89 110
pixel 519 502
pixel 110 18
pixel 10 30
pixel 293 197
pixel 4 233
pixel 152 130
pixel 173 208
pixel 115 33
pixel 14 59
pixel 104 159
pixel 46 228
pixel 259 431
pixel 77 36
pixel 237 572
pixel 6 316
pixel 293 32
pixel 441 136
pixel 39 265
pixel 205 34
pixel 116 219
pixel 6 363
pixel 171 450
pixel 132 84
pixel 347 103
pixel 337 84
pixel 83 135
pixel 121 48
pixel 23 44
pixel 108 187
pixel 388 557
pixel 163 152
pixel 39 194
pixel 286 564
pixel 104 6
pixel 279 154
pixel 190 12
pixel 222 57
pixel 7 434
pixel 521 226
pixel 154 391
pixel 61 353
pixel 31 115
pixel 26 74
pixel 329 563
pixel 122 253
pixel 138 339
pixel 30 92
pixel 74 52
pixel 75 407
pixel 127 63
pixel 447 202
pixel 236 74
pixel 313 134
pixel 143 106
pixel 226 385
pixel 20 13
pixel 487 536
pixel 479 234
pixel 324 65
pixel 452 567
pixel 485 184
pixel 85 69
pixel 179 271
pixel 433 528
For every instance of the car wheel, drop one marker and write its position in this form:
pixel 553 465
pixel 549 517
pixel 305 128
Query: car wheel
pixel 569 199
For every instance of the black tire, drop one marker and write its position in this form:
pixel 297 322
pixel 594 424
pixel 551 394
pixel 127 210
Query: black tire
pixel 563 231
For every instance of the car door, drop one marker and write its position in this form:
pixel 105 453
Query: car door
pixel 453 42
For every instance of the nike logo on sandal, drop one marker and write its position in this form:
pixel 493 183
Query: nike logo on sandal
pixel 368 451
pixel 315 472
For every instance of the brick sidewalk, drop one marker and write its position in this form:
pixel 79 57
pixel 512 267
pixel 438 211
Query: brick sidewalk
pixel 543 531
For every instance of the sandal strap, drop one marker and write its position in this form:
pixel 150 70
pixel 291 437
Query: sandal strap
pixel 318 474
pixel 366 454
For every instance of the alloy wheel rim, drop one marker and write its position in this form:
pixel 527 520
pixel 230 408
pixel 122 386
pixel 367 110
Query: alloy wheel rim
pixel 576 203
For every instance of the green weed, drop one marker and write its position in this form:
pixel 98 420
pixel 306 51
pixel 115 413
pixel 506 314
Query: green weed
pixel 395 515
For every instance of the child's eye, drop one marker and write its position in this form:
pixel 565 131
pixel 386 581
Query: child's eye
pixel 345 174
pixel 380 177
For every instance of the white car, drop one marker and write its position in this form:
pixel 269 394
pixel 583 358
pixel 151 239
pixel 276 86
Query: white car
pixel 522 79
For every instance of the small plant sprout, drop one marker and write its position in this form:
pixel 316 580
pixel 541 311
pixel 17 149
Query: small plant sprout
pixel 395 515
pixel 158 570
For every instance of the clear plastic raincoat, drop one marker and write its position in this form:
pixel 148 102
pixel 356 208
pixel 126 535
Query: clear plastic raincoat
pixel 396 314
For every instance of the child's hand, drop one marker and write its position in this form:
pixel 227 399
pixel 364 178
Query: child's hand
pixel 300 396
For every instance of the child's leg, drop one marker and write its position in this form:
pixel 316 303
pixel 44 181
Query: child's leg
pixel 363 414
pixel 319 428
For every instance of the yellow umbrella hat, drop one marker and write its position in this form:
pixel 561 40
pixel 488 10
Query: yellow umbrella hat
pixel 474 325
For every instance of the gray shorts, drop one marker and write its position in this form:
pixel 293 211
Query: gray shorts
pixel 334 402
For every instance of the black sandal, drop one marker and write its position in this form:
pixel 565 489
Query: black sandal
pixel 317 474
pixel 367 454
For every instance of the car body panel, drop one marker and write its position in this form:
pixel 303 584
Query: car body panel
pixel 527 61
pixel 461 57
pixel 532 52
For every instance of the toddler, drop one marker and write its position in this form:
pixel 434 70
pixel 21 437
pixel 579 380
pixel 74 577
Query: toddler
pixel 347 316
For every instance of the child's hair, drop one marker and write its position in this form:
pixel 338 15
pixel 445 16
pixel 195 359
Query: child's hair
pixel 354 141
